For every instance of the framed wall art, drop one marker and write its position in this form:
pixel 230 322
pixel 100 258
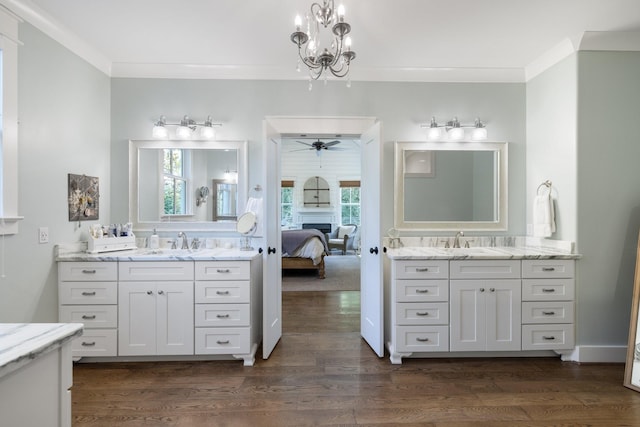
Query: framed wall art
pixel 84 194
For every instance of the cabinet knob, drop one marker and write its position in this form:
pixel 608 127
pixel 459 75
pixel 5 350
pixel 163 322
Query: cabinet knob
pixel 160 292
pixel 149 292
pixel 481 289
pixel 492 289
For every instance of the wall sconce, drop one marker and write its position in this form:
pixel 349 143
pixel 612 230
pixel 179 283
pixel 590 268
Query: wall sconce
pixel 231 176
pixel 455 130
pixel 185 129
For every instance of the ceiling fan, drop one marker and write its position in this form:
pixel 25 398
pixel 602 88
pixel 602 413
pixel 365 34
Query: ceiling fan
pixel 321 145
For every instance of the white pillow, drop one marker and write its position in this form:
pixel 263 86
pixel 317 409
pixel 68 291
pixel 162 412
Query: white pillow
pixel 344 230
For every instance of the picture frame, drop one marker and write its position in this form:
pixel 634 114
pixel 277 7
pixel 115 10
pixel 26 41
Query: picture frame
pixel 83 197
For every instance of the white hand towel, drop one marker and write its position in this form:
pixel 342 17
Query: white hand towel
pixel 255 205
pixel 544 221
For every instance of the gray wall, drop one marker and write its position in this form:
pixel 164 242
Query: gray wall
pixel 63 111
pixel 608 192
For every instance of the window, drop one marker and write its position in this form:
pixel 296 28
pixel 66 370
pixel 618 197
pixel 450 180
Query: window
pixel 350 202
pixel 8 124
pixel 175 164
pixel 286 203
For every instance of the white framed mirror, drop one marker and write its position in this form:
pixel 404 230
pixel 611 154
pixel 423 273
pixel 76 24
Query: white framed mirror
pixel 166 179
pixel 450 186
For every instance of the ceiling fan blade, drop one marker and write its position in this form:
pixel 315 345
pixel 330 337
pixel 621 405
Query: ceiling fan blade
pixel 337 149
pixel 329 144
pixel 301 149
pixel 305 143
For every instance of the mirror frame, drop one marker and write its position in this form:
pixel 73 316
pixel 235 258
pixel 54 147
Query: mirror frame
pixel 500 224
pixel 147 226
pixel 633 327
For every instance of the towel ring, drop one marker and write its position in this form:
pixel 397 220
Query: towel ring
pixel 547 184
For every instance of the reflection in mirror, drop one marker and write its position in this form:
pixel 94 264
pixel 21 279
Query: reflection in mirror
pixel 225 203
pixel 632 367
pixel 451 186
pixel 169 184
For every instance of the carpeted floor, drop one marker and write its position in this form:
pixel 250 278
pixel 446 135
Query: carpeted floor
pixel 342 274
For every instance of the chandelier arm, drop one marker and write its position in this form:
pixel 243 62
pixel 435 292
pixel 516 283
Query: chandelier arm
pixel 309 63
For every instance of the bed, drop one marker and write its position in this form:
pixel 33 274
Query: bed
pixel 304 250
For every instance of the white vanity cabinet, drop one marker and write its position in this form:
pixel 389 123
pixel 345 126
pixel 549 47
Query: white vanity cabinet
pixel 88 294
pixel 419 307
pixel 485 305
pixel 155 308
pixel 548 295
pixel 228 315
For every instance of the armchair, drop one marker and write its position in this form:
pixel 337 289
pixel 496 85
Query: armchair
pixel 342 238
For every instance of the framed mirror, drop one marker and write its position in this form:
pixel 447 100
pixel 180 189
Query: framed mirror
pixel 169 184
pixel 632 367
pixel 450 186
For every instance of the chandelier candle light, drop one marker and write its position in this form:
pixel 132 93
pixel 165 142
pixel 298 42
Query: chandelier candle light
pixel 338 56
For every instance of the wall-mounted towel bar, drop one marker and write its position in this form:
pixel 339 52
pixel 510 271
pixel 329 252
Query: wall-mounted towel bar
pixel 546 184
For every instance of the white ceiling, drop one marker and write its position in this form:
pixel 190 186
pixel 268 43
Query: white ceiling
pixel 400 40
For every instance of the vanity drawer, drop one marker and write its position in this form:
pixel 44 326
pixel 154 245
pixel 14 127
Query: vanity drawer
pixel 485 269
pixel 88 293
pixel 548 289
pixel 422 290
pixel 234 291
pixel 415 313
pixel 547 312
pixel 548 337
pixel 222 341
pixel 222 315
pixel 421 269
pixel 551 268
pixel 223 270
pixel 96 343
pixel 93 316
pixel 156 270
pixel 422 338
pixel 87 271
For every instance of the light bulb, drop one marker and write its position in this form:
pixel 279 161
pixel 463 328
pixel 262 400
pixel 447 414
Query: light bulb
pixel 298 22
pixel 183 132
pixel 347 43
pixel 455 134
pixel 341 13
pixel 479 134
pixel 159 132
pixel 207 132
pixel 434 134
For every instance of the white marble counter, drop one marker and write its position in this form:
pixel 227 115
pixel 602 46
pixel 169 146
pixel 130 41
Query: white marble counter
pixel 64 253
pixel 506 252
pixel 21 343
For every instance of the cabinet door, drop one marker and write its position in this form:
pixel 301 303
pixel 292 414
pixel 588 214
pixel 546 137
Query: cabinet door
pixel 468 315
pixel 503 307
pixel 175 318
pixel 137 319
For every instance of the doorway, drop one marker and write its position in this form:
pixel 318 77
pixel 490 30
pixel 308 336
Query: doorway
pixel 275 129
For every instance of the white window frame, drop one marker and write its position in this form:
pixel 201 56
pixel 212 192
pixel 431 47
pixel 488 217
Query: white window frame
pixel 9 131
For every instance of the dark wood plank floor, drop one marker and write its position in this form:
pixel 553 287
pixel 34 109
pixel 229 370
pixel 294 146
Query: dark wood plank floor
pixel 322 373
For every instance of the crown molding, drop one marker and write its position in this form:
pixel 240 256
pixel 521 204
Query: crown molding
pixel 35 16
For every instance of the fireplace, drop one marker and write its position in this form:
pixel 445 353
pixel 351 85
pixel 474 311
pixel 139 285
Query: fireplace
pixel 322 227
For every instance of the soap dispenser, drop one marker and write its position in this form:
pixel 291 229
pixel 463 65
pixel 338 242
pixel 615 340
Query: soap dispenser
pixel 154 240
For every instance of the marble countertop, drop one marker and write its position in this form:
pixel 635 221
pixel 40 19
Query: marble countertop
pixel 507 252
pixel 21 343
pixel 215 254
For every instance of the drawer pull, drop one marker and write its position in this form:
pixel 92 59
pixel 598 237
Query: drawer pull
pixel 422 291
pixel 89 294
pixel 88 316
pixel 492 289
pixel 548 313
pixel 547 338
pixel 149 292
pixel 422 313
pixel 548 290
pixel 422 269
pixel 419 339
pixel 222 342
pixel 88 344
pixel 160 292
pixel 222 316
pixel 548 269
pixel 223 270
pixel 222 292
pixel 89 271
pixel 481 289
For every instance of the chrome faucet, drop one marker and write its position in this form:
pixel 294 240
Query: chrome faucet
pixel 456 240
pixel 185 242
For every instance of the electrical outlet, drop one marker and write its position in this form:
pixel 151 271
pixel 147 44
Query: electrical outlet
pixel 43 235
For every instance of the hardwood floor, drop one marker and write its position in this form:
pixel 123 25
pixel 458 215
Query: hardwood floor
pixel 322 373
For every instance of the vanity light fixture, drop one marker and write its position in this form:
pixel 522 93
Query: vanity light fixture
pixel 455 131
pixel 185 129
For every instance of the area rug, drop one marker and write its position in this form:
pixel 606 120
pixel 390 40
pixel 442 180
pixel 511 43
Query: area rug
pixel 342 274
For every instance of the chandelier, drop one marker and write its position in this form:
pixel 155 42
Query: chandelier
pixel 334 58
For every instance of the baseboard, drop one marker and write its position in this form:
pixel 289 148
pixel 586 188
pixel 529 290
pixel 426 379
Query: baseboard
pixel 597 354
